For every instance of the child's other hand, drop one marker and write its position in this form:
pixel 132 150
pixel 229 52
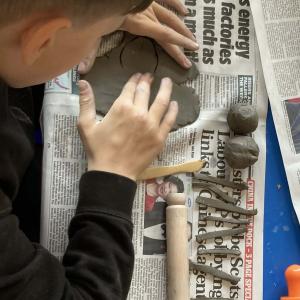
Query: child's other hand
pixel 166 28
pixel 177 5
pixel 131 135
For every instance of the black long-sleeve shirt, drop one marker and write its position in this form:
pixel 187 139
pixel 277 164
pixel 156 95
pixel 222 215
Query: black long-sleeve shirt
pixel 99 259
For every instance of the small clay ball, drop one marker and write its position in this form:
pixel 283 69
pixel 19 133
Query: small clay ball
pixel 241 152
pixel 242 119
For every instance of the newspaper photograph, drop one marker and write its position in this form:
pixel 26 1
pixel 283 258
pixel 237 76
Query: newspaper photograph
pixel 278 34
pixel 230 72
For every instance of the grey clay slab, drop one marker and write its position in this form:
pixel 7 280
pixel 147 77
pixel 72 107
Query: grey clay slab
pixel 142 55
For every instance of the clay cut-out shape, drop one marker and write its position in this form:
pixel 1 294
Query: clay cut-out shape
pixel 242 119
pixel 241 152
pixel 142 55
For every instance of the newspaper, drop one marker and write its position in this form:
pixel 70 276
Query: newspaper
pixel 278 33
pixel 230 72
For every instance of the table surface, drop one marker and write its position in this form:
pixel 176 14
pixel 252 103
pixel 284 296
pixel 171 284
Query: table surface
pixel 281 227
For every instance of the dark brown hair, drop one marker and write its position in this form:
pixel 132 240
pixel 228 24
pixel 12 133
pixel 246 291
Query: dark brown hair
pixel 81 10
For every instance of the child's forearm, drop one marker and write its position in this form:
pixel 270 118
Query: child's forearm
pixel 99 260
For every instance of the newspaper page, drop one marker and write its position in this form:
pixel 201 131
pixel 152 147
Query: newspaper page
pixel 230 72
pixel 278 33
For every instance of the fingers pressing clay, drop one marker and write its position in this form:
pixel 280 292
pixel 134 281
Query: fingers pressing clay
pixel 138 54
pixel 241 152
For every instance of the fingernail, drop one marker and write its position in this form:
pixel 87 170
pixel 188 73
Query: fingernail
pixel 187 63
pixel 137 75
pixel 83 85
pixel 186 11
pixel 167 81
pixel 174 104
pixel 195 45
pixel 149 76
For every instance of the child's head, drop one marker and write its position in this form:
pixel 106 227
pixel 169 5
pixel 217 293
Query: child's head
pixel 40 39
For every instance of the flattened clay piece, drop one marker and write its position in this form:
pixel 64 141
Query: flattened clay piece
pixel 225 206
pixel 143 55
pixel 213 188
pixel 239 186
pixel 215 272
pixel 220 251
pixel 220 233
pixel 242 119
pixel 241 152
pixel 225 220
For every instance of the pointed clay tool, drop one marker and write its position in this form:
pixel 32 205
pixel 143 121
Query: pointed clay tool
pixel 215 272
pixel 224 206
pixel 225 220
pixel 215 189
pixel 213 234
pixel 155 172
pixel 239 186
pixel 220 251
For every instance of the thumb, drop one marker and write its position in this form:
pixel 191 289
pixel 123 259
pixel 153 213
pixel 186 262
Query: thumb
pixel 87 115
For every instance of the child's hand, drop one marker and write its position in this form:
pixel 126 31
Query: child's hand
pixel 131 135
pixel 166 28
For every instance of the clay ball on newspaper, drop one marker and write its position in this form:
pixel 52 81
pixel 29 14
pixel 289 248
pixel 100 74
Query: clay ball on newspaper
pixel 242 118
pixel 241 152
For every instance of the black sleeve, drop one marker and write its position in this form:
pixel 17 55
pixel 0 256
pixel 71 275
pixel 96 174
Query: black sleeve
pixel 98 263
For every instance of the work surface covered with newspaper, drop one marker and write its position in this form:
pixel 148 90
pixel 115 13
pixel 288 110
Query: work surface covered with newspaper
pixel 278 32
pixel 230 72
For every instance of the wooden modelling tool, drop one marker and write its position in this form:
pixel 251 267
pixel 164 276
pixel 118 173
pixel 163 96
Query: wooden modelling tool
pixel 155 172
pixel 177 248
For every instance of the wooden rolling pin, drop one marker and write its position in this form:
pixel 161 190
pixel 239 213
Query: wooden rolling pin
pixel 177 248
pixel 155 172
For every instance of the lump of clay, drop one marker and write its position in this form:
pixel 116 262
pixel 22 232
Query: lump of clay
pixel 241 152
pixel 242 119
pixel 143 55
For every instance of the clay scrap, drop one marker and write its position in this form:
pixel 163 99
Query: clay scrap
pixel 143 55
pixel 225 206
pixel 225 220
pixel 215 189
pixel 214 272
pixel 242 118
pixel 241 152
pixel 220 251
pixel 239 186
pixel 220 233
pixel 208 298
